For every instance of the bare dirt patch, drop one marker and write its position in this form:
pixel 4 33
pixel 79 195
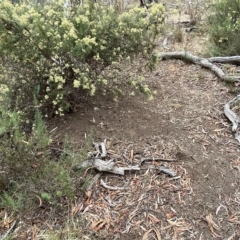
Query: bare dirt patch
pixel 185 121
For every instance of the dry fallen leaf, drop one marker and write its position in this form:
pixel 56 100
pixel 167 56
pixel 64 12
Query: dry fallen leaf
pixel 77 208
pixel 153 219
pixel 98 225
pixel 233 219
pixel 170 215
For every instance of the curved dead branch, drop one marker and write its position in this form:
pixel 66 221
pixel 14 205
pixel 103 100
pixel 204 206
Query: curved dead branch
pixel 233 117
pixel 230 114
pixel 208 63
pixel 204 62
pixel 102 183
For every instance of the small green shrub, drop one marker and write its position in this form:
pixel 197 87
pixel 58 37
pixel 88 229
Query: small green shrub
pixel 48 54
pixel 224 28
pixel 12 200
pixel 52 52
pixel 31 169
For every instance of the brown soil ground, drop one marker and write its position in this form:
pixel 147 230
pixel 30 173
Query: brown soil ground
pixel 184 122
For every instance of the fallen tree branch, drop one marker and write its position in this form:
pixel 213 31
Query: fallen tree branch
pixel 106 166
pixel 230 114
pixel 204 62
pixel 208 63
pixel 233 118
pixel 232 59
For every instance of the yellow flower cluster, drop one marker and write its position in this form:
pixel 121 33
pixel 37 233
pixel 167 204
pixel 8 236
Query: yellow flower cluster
pixel 3 90
pixel 57 41
pixel 82 19
pixel 76 83
pixel 88 40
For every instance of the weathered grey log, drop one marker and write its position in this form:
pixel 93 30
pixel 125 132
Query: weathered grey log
pixel 106 166
pixel 232 60
pixel 204 62
pixel 233 117
pixel 208 63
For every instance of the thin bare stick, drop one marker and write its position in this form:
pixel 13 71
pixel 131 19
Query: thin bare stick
pixel 143 159
pixel 102 183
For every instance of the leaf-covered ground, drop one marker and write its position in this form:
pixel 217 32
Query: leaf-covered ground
pixel 185 122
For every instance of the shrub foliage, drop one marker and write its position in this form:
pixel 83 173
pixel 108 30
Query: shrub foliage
pixel 224 27
pixel 28 167
pixel 57 50
pixel 48 55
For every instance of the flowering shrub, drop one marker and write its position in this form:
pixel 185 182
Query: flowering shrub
pixel 224 27
pixel 55 51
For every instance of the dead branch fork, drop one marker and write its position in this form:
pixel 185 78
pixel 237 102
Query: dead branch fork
pixel 208 63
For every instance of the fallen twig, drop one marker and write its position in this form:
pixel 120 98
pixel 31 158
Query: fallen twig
pixel 144 159
pixel 111 188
